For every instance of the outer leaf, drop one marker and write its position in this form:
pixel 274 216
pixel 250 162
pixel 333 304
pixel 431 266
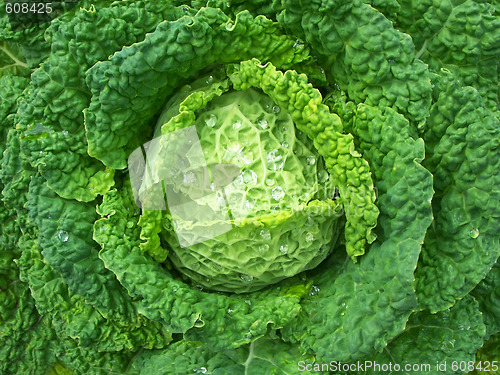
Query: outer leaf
pixel 11 88
pixel 63 227
pixel 487 292
pixel 462 144
pixel 264 356
pixel 72 317
pixel 373 62
pixel 487 356
pixel 21 326
pixel 462 36
pixel 11 60
pixel 450 336
pixel 51 114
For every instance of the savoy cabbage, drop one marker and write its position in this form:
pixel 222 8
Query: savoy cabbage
pixel 335 167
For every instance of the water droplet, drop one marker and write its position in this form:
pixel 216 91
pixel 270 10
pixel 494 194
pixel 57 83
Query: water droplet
pixel 130 224
pixel 311 160
pixel 248 302
pixel 63 236
pixel 276 109
pixel 195 266
pixel 263 248
pixel 211 120
pixel 249 205
pixel 217 267
pixel 278 193
pixel 246 278
pixel 185 9
pixel 230 311
pixel 237 125
pixel 247 157
pixel 201 370
pixel 285 145
pixel 262 123
pixel 64 132
pixel 270 181
pixel 474 233
pixel 274 160
pixel 284 249
pixel 275 209
pixel 298 44
pixel 189 177
pixel 234 151
pixel 268 107
pixel 265 234
pixel 314 290
pixel 448 345
pixel 249 177
pixel 391 61
pixel 309 237
pixel 323 176
pixel 209 80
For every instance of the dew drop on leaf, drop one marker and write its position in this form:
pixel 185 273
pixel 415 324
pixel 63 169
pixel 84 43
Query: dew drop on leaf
pixel 211 120
pixel 246 278
pixel 265 234
pixel 284 249
pixel 63 235
pixel 270 181
pixel 262 123
pixel 278 193
pixel 263 248
pixel 309 237
pixel 311 160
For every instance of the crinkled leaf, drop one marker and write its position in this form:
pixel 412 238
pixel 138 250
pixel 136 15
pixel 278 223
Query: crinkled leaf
pixel 443 339
pixel 463 154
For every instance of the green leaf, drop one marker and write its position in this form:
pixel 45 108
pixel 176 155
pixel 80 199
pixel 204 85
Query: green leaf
pixel 461 36
pixel 264 356
pixel 463 154
pixel 12 61
pixel 441 340
pixel 51 114
pixel 487 357
pixel 487 293
pixel 368 58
